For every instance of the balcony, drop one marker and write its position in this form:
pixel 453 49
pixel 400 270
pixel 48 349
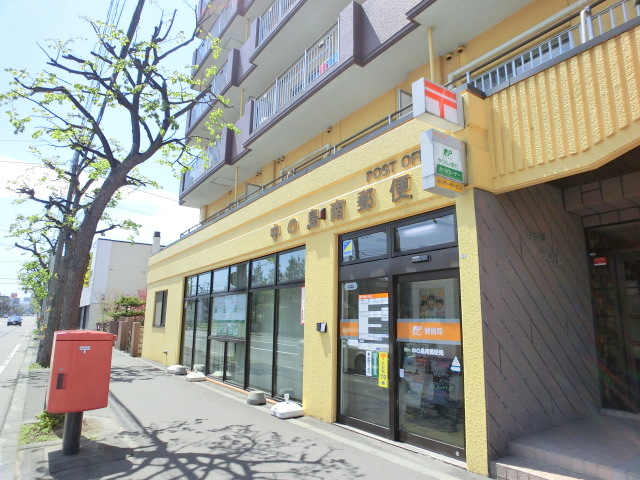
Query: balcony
pixel 342 71
pixel 213 159
pixel 551 50
pixel 202 54
pixel 221 82
pixel 273 17
pixel 313 63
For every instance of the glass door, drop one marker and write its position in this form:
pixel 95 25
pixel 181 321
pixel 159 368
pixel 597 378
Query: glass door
pixel 430 394
pixel 628 271
pixel 364 354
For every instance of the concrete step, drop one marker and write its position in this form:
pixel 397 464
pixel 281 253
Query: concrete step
pixel 520 468
pixel 599 465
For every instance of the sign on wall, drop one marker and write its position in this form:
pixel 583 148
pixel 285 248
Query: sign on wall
pixel 436 105
pixel 444 164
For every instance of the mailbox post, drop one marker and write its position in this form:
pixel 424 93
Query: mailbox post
pixel 79 381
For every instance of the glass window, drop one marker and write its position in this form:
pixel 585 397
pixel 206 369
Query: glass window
pixel 363 247
pixel 404 101
pixel 425 234
pixel 220 280
pixel 261 342
pixel 191 289
pixel 290 343
pixel 238 275
pixel 291 266
pixel 201 332
pixel 204 283
pixel 188 331
pixel 160 313
pixel 263 272
pixel 216 358
pixel 228 318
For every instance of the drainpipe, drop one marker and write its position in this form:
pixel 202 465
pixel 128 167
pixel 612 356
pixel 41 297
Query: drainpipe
pixel 235 189
pixel 586 25
pixel 432 65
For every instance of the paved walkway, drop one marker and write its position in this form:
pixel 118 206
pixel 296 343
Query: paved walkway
pixel 159 426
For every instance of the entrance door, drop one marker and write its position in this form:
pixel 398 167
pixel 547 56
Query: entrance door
pixel 430 396
pixel 628 269
pixel 615 274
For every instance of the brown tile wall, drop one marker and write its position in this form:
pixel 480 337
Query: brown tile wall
pixel 538 327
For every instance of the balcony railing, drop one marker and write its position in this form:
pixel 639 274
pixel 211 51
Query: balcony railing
pixel 273 16
pixel 216 30
pixel 202 4
pixel 220 80
pixel 313 63
pixel 196 112
pixel 201 165
pixel 590 27
pixel 307 163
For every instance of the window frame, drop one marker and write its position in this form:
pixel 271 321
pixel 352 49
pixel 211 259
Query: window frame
pixel 161 320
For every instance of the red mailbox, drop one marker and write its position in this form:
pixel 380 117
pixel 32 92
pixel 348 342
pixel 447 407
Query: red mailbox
pixel 80 371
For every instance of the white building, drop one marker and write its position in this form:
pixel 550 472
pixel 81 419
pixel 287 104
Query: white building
pixel 117 268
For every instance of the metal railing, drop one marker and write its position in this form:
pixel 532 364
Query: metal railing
pixel 216 30
pixel 199 166
pixel 273 16
pixel 202 4
pixel 313 63
pixel 200 108
pixel 221 79
pixel 590 27
pixel 302 166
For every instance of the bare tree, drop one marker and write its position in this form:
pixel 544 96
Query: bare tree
pixel 73 106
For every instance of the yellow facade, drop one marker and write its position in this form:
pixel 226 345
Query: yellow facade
pixel 569 118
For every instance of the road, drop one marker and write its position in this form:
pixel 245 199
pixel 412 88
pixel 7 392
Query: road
pixel 13 348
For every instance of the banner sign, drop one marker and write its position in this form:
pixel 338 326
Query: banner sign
pixel 436 105
pixel 444 164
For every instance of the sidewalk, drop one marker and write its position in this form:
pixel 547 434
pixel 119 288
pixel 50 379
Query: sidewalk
pixel 159 426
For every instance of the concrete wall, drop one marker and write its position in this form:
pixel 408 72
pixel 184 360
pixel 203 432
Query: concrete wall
pixel 540 365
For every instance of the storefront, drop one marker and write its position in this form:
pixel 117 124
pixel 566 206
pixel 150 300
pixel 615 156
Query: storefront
pixel 400 351
pixel 244 324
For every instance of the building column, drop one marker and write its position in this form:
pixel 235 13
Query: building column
pixel 472 340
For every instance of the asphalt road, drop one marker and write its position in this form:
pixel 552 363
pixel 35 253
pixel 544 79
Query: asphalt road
pixel 14 341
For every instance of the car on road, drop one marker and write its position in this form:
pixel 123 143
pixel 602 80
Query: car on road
pixel 14 320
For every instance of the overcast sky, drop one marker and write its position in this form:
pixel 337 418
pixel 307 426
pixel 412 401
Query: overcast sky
pixel 24 29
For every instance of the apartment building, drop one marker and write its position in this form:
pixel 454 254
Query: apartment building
pixel 117 268
pixel 428 225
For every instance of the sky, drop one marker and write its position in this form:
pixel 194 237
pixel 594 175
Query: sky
pixel 24 30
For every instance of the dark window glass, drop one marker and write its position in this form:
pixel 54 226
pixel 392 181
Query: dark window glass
pixel 160 314
pixel 238 275
pixel 204 283
pixel 291 266
pixel 263 272
pixel 369 245
pixel 191 289
pixel 425 234
pixel 220 280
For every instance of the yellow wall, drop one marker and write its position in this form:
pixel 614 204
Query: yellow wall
pixel 575 116
pixel 572 117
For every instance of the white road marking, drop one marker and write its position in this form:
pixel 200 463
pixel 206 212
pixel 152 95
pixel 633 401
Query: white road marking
pixel 8 359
